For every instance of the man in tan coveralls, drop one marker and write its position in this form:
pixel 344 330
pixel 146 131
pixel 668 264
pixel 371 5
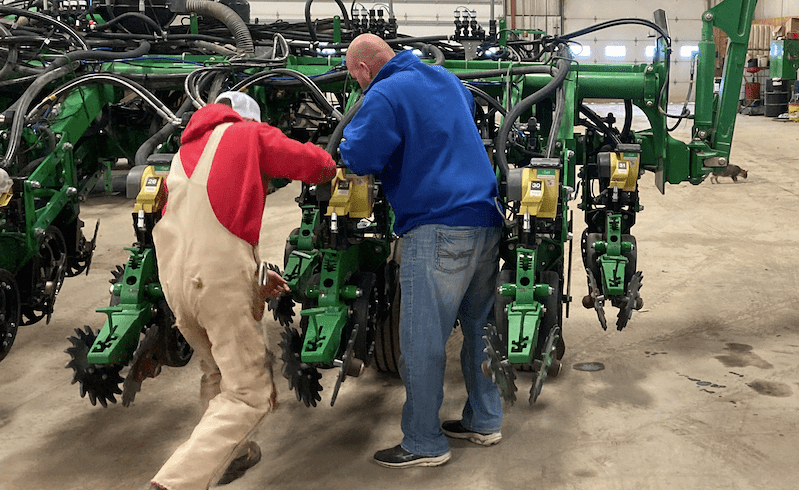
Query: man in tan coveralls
pixel 208 264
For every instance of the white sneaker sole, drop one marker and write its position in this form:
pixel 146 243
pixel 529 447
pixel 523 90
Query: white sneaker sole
pixel 482 440
pixel 425 461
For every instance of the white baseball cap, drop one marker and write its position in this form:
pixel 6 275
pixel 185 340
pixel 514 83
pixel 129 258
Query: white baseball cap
pixel 242 103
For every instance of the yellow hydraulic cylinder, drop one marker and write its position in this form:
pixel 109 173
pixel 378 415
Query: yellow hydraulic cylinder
pixel 351 195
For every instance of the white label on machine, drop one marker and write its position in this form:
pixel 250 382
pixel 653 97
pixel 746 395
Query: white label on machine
pixel 343 188
pixel 536 187
pixel 151 185
pixel 622 168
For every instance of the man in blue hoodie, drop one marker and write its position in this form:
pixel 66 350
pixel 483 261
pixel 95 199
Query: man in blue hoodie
pixel 416 131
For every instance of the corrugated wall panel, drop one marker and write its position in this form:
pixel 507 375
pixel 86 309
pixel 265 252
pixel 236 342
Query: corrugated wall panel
pixel 684 20
pixel 767 9
pixel 417 18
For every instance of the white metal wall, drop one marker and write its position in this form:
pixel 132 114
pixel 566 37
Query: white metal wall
pixel 684 22
pixel 767 9
pixel 417 18
pixel 536 14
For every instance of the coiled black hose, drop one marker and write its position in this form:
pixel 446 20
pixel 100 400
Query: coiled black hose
pixel 230 18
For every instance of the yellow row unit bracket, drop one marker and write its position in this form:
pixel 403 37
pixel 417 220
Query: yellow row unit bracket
pixel 152 194
pixel 536 188
pixel 622 166
pixel 351 195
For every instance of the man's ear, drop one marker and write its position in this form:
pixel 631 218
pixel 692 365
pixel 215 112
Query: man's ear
pixel 368 70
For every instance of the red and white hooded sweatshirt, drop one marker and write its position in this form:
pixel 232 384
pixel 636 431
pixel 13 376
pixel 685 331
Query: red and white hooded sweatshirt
pixel 249 154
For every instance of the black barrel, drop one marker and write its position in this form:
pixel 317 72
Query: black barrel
pixel 778 90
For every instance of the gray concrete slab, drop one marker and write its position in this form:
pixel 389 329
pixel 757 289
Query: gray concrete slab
pixel 701 390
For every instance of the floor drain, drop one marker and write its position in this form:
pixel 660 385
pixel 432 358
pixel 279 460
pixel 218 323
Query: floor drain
pixel 589 366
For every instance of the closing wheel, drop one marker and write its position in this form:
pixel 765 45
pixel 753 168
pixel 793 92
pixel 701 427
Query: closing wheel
pixel 161 345
pixel 82 260
pixel 364 313
pixel 553 316
pixel 505 276
pixel 387 335
pixel 174 350
pixel 100 382
pixel 387 341
pixel 543 366
pixel 47 271
pixel 303 379
pixel 9 311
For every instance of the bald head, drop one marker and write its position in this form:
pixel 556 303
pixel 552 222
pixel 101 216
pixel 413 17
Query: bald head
pixel 366 55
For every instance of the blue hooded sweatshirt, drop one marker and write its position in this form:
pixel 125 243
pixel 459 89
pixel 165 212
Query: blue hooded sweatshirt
pixel 416 131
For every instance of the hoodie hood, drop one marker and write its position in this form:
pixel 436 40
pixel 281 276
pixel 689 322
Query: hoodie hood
pixel 203 122
pixel 399 62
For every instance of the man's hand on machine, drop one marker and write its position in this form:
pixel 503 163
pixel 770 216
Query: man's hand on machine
pixel 270 285
pixel 274 285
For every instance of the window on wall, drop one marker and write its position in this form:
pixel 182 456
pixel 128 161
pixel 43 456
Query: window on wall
pixel 649 51
pixel 581 51
pixel 615 51
pixel 688 50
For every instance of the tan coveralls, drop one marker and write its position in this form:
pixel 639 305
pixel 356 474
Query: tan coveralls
pixel 209 278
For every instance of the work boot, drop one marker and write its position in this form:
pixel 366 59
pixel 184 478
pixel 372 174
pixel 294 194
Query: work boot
pixel 240 465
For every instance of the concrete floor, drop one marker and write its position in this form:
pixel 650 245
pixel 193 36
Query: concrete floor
pixel 700 391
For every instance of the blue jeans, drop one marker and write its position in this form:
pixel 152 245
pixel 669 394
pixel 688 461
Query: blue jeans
pixel 447 273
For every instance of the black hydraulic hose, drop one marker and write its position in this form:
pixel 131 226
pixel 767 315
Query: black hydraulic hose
pixel 227 16
pixel 628 119
pixel 141 50
pixel 517 70
pixel 112 79
pixel 11 58
pixel 147 148
pixel 158 29
pixel 24 101
pixel 44 18
pixel 315 91
pixel 431 50
pixel 594 118
pixel 309 23
pixel 21 105
pixel 192 82
pixel 616 23
pixel 338 133
pixel 490 100
pixel 517 110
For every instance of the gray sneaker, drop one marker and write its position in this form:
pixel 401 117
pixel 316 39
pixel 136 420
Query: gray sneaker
pixel 398 457
pixel 456 430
